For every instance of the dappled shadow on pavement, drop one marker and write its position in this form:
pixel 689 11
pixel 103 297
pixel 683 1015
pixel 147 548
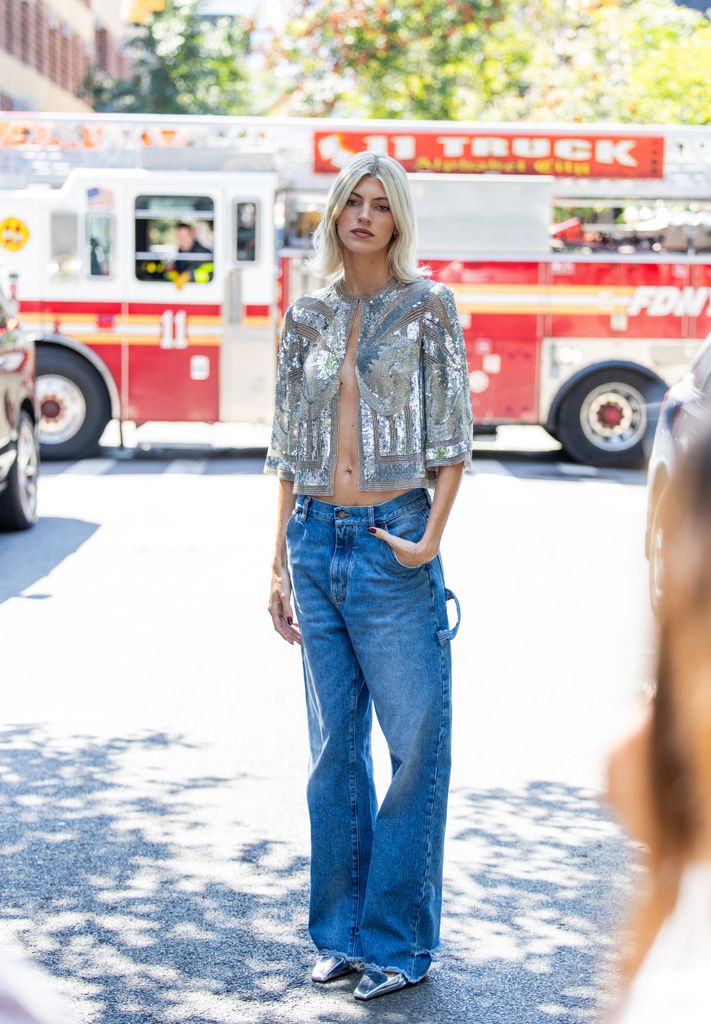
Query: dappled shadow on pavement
pixel 113 880
pixel 151 896
pixel 536 881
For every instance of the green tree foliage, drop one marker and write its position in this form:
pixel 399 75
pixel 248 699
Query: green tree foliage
pixel 380 59
pixel 547 60
pixel 183 63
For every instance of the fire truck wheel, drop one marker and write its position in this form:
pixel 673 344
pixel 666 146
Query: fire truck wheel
pixel 608 418
pixel 74 404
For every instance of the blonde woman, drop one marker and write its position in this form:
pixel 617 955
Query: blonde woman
pixel 372 409
pixel 660 777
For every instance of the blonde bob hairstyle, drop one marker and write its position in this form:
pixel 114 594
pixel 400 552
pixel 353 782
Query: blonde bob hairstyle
pixel 402 259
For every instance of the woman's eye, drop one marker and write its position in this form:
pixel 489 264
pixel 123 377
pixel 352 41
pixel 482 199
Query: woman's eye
pixel 384 209
pixel 351 202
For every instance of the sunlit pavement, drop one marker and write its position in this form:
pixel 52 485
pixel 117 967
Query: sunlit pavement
pixel 154 834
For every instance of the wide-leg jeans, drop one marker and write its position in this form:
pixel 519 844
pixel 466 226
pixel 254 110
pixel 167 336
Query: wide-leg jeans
pixel 375 632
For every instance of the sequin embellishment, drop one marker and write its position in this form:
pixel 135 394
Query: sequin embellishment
pixel 411 370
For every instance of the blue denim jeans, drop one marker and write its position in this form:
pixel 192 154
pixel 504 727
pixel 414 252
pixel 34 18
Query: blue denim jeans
pixel 375 632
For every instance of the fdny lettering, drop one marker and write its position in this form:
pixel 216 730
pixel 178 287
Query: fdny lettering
pixel 666 300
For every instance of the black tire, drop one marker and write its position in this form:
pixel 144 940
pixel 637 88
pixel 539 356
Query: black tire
pixel 74 404
pixel 18 502
pixel 588 426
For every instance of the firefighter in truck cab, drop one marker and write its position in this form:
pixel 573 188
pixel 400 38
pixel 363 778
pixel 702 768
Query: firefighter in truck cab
pixel 190 250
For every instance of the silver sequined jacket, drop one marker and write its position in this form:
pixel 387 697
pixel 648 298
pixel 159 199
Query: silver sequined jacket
pixel 411 369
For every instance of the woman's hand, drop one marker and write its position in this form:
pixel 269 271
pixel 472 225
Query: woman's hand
pixel 280 607
pixel 416 553
pixel 410 553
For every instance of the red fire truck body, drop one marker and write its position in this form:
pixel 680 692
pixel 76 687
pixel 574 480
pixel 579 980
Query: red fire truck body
pixel 525 313
pixel 155 258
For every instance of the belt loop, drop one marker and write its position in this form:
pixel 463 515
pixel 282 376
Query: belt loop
pixel 305 510
pixel 371 515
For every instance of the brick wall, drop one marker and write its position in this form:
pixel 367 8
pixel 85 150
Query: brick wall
pixel 108 55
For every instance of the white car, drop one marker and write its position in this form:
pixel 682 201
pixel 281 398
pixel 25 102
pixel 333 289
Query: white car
pixel 684 416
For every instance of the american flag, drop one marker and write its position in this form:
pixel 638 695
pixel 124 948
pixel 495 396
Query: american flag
pixel 100 197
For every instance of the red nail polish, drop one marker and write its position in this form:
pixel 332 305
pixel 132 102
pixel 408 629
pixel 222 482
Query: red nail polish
pixel 289 620
pixel 371 529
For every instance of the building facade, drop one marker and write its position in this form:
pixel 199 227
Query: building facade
pixel 48 46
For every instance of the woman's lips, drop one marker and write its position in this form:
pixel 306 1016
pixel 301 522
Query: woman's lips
pixel 362 232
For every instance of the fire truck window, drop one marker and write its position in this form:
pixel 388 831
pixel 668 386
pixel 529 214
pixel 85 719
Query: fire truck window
pixel 246 232
pixel 64 236
pixel 628 226
pixel 174 239
pixel 100 233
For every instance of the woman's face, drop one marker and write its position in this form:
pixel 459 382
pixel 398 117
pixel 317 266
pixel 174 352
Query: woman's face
pixel 366 225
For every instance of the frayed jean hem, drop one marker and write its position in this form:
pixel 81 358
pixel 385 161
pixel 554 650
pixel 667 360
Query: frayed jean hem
pixel 393 969
pixel 355 961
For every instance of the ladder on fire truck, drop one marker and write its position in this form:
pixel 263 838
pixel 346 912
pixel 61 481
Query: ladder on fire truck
pixel 44 148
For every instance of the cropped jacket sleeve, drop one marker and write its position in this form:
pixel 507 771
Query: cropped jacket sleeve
pixel 282 455
pixel 445 383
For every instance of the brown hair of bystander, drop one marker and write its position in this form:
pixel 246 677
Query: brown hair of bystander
pixel 678 755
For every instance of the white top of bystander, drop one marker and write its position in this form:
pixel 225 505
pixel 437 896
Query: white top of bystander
pixel 673 984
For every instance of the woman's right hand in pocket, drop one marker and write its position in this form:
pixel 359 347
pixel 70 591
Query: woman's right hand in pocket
pixel 280 607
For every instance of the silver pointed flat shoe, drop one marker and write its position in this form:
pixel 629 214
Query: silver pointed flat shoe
pixel 328 968
pixel 378 983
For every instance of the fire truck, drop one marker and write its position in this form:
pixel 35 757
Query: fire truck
pixel 154 257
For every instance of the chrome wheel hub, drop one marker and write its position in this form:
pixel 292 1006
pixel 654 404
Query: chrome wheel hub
pixel 614 417
pixel 62 406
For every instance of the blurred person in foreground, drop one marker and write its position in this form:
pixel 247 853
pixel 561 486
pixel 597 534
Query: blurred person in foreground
pixel 660 777
pixel 27 995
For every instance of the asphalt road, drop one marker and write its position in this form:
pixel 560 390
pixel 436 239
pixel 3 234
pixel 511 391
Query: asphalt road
pixel 153 753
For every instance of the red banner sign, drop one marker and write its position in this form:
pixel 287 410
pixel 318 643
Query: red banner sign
pixel 598 155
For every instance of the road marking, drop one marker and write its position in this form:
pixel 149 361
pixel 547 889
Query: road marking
pixel 192 467
pixel 89 467
pixel 577 470
pixel 198 467
pixel 490 467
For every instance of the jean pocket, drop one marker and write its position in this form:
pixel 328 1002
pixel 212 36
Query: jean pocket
pixel 410 527
pixel 293 520
pixel 402 565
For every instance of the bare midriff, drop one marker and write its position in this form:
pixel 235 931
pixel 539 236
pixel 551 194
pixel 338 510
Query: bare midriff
pixel 345 483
